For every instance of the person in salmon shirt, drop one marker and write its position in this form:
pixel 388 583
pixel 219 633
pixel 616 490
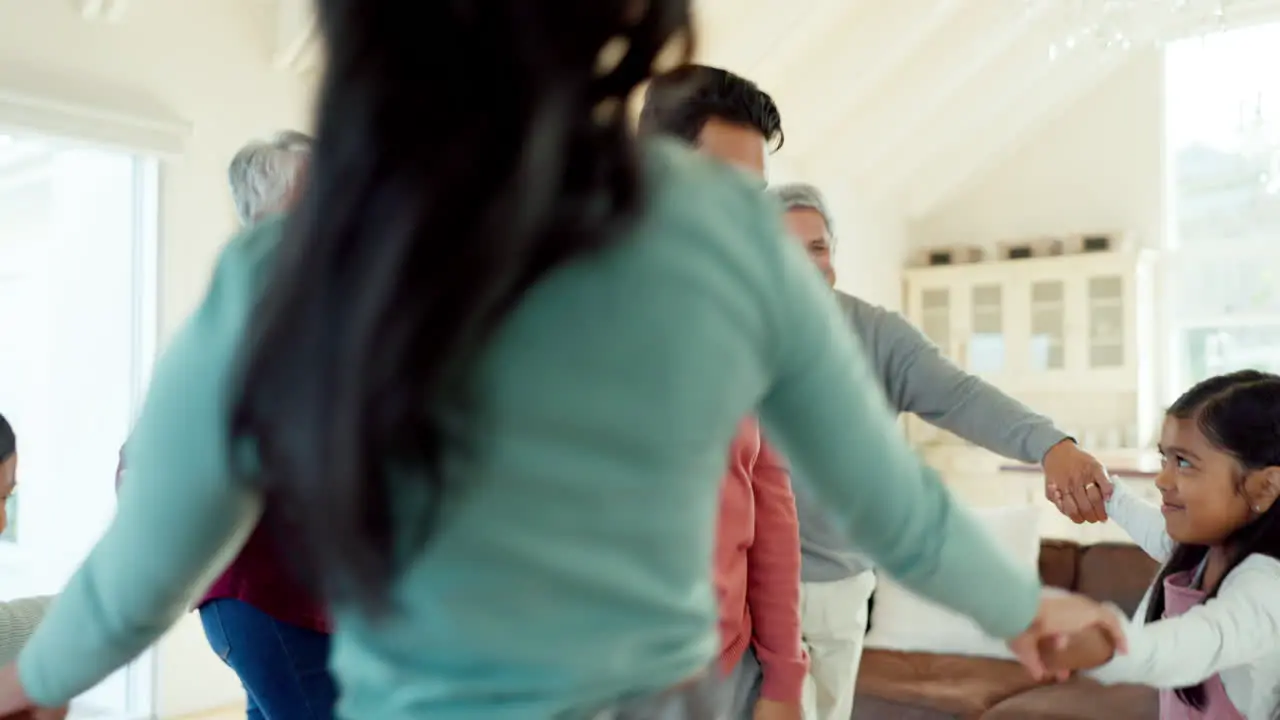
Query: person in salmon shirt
pixel 757 581
pixel 757 566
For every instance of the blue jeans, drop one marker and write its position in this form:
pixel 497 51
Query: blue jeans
pixel 283 667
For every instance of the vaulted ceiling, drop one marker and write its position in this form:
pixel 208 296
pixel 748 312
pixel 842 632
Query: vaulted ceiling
pixel 903 101
pixel 906 101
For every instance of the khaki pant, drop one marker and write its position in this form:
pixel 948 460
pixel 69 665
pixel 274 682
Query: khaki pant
pixel 742 688
pixel 833 622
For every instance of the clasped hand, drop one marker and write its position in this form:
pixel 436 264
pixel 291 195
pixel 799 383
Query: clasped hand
pixel 14 703
pixel 38 714
pixel 1070 632
pixel 1076 483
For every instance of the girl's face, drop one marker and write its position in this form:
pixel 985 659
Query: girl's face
pixel 1206 494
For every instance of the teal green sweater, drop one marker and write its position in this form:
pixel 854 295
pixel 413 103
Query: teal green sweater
pixel 578 568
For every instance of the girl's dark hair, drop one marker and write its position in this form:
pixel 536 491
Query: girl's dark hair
pixel 1239 414
pixel 463 150
pixel 8 441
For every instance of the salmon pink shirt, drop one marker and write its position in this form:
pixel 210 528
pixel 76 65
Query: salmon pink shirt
pixel 757 566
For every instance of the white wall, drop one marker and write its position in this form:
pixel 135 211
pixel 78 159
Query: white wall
pixel 871 247
pixel 207 62
pixel 1097 167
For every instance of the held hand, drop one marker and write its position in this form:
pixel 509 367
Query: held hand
pixel 1076 483
pixel 1060 617
pixel 1085 650
pixel 14 702
pixel 774 710
pixel 38 714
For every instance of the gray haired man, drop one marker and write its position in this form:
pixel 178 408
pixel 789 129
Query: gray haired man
pixel 837 583
pixel 266 175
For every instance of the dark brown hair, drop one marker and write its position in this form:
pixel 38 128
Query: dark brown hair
pixel 463 150
pixel 680 102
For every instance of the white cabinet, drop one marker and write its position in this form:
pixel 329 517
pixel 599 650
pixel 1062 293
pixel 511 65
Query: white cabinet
pixel 1072 336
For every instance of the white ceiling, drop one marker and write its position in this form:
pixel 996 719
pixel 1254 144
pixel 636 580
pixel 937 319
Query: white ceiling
pixel 901 101
pixel 906 101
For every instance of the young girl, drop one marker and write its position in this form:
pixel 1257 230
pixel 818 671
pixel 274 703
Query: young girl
pixel 18 618
pixel 1208 632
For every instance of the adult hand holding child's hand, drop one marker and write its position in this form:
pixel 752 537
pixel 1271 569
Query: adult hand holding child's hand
pixel 1043 647
pixel 1076 483
pixel 38 714
pixel 14 703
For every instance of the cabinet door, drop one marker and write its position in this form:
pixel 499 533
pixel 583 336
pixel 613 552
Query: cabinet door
pixel 1046 346
pixel 985 348
pixel 935 316
pixel 1107 337
pixel 1099 329
pixel 933 308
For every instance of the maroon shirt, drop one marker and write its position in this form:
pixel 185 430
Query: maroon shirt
pixel 260 578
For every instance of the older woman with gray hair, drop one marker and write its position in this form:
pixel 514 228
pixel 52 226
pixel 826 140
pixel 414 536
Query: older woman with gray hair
pixel 258 619
pixel 266 174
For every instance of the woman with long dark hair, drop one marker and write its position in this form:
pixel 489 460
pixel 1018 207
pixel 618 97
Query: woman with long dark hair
pixel 489 370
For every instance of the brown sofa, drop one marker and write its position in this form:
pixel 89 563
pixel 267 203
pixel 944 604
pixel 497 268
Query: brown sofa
pixel 921 686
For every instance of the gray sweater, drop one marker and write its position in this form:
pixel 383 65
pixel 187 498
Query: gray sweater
pixel 18 619
pixel 918 379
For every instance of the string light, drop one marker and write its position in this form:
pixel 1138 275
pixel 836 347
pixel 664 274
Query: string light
pixel 1120 25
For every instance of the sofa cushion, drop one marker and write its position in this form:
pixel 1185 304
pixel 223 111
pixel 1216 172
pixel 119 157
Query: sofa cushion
pixel 1058 561
pixel 905 622
pixel 1116 573
pixel 948 684
pixel 869 707
pixel 1079 699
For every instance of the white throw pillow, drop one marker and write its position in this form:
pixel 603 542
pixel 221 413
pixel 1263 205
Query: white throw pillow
pixel 906 622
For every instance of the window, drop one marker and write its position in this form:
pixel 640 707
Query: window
pixel 1223 142
pixel 77 306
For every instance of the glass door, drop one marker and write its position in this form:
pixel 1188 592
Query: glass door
pixel 1106 322
pixel 78 290
pixel 1048 326
pixel 935 316
pixel 986 346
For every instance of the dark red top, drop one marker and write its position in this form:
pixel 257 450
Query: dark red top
pixel 260 578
